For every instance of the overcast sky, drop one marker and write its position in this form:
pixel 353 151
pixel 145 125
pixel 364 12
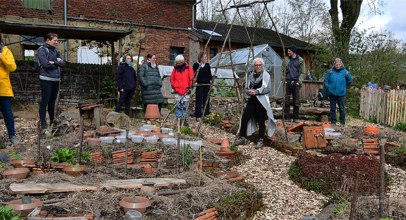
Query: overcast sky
pixel 392 19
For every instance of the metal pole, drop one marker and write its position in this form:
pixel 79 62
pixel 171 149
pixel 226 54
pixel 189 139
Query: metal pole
pixel 126 147
pixel 382 181
pixel 65 18
pixel 354 197
pixel 82 131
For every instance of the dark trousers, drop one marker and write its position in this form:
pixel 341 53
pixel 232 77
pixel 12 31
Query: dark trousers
pixel 5 106
pixel 125 97
pixel 292 90
pixel 341 107
pixel 160 107
pixel 202 94
pixel 254 107
pixel 49 93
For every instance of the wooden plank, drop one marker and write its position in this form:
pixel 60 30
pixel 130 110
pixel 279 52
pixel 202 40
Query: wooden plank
pixel 41 188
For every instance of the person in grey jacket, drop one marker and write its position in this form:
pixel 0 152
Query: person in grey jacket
pixel 50 61
pixel 258 106
pixel 151 82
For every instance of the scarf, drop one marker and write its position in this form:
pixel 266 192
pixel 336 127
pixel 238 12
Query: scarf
pixel 180 68
pixel 255 78
pixel 153 65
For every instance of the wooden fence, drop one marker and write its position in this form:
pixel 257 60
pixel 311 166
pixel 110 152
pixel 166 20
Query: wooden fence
pixel 388 107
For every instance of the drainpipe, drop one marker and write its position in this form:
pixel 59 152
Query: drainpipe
pixel 65 17
pixel 193 13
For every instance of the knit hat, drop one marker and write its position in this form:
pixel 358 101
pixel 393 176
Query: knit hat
pixel 293 48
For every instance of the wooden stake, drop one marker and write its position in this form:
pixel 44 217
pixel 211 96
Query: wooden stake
pixel 126 147
pixel 382 182
pixel 354 196
pixel 179 148
pixel 39 141
pixel 81 138
pixel 201 165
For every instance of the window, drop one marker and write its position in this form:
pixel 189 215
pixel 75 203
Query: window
pixel 37 4
pixel 174 51
pixel 31 40
pixel 213 52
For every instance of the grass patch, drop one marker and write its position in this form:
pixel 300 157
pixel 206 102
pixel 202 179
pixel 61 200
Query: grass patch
pixel 401 126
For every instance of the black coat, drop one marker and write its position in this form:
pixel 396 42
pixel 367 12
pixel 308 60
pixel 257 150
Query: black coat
pixel 126 77
pixel 151 84
pixel 204 76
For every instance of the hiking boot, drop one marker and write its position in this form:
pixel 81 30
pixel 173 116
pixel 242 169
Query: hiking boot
pixel 185 123
pixel 13 140
pixel 198 119
pixel 260 143
pixel 240 141
pixel 295 121
pixel 44 125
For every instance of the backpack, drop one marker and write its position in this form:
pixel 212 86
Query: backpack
pixel 37 64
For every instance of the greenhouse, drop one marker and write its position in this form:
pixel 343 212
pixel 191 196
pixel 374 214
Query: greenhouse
pixel 239 58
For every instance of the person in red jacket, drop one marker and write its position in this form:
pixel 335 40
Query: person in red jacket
pixel 181 78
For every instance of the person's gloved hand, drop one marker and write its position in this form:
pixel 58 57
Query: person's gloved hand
pixel 188 93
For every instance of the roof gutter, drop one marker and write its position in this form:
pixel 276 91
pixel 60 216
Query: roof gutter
pixel 193 13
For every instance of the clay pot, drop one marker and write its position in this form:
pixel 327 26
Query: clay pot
pixel 215 140
pixel 59 165
pixel 225 143
pixel 152 111
pixel 225 149
pixel 93 141
pixel 87 135
pixel 148 170
pixel 21 163
pixel 25 209
pixel 148 187
pixel 36 171
pixel 371 130
pixel 17 173
pixel 156 129
pixel 97 157
pixel 141 205
pixel 2 150
pixel 75 171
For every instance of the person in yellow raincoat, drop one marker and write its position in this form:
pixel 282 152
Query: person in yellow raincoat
pixel 7 65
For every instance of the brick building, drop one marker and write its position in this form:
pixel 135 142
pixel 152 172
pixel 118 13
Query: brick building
pixel 162 25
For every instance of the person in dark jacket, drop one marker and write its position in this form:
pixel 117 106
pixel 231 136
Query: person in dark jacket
pixel 181 79
pixel 151 82
pixel 336 81
pixel 202 92
pixel 126 79
pixel 293 73
pixel 50 61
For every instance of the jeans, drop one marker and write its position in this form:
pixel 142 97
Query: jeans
pixel 292 89
pixel 202 93
pixel 341 107
pixel 253 108
pixel 180 112
pixel 5 106
pixel 125 97
pixel 49 92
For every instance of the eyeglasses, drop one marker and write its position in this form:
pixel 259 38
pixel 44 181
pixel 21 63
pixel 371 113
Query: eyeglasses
pixel 258 65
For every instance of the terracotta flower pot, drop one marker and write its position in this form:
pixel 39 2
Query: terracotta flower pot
pixel 152 111
pixel 25 209
pixel 225 143
pixel 326 125
pixel 148 187
pixel 17 173
pixel 156 129
pixel 36 171
pixel 87 135
pixel 75 171
pixel 21 163
pixel 148 170
pixel 140 205
pixel 215 140
pixel 225 149
pixel 371 130
pixel 93 141
pixel 3 150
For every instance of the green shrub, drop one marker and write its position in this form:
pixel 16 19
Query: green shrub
pixel 6 213
pixel 401 126
pixel 340 207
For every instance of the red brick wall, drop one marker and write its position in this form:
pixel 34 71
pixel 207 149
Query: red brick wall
pixel 151 12
pixel 159 41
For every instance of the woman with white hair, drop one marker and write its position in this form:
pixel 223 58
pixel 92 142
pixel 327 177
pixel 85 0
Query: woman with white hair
pixel 336 81
pixel 258 87
pixel 126 80
pixel 181 78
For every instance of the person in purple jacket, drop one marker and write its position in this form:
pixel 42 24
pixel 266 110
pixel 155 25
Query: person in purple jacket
pixel 126 80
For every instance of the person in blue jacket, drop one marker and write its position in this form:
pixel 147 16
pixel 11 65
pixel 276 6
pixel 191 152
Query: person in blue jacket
pixel 50 61
pixel 336 81
pixel 126 79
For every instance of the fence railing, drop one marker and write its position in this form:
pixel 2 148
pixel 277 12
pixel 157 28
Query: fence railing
pixel 388 107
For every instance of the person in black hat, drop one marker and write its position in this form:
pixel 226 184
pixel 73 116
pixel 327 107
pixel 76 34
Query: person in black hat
pixel 293 73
